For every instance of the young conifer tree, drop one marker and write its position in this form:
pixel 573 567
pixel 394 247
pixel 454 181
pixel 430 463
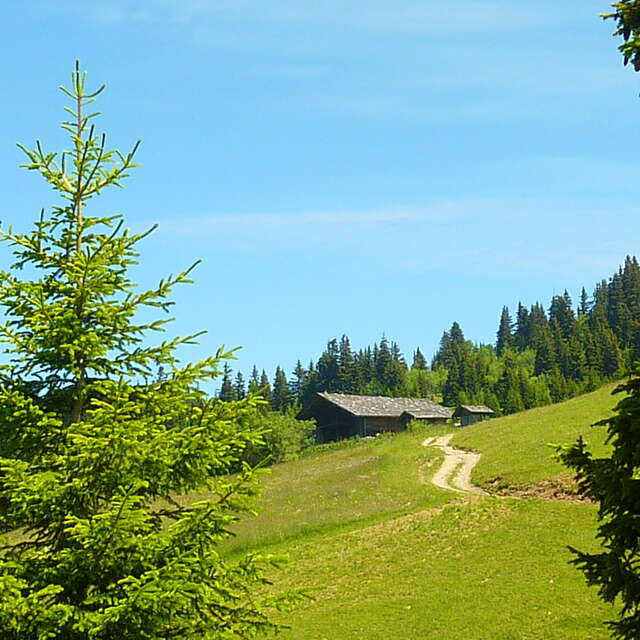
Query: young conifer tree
pixel 99 540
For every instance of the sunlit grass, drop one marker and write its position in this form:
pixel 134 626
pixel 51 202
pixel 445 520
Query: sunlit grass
pixel 491 569
pixel 515 449
pixel 350 485
pixel 390 557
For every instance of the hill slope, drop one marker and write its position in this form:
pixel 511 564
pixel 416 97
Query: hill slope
pixel 515 449
pixel 390 557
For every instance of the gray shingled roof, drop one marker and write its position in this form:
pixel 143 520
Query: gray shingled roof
pixel 476 408
pixel 372 406
pixel 436 411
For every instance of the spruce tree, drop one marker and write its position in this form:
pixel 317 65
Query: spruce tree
pixel 419 361
pixel 613 482
pixel 95 463
pixel 254 380
pixel 346 382
pixel 280 395
pixel 296 384
pixel 505 332
pixel 523 328
pixel 239 387
pixel 227 390
pixel 265 386
pixel 584 307
pixel 327 368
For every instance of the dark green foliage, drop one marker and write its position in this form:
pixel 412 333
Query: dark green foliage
pixel 280 394
pixel 346 374
pixel 614 485
pixel 585 305
pixel 627 17
pixel 239 387
pixel 549 357
pixel 296 385
pixel 100 538
pixel 505 338
pixel 227 390
pixel 327 368
pixel 254 380
pixel 419 361
pixel 613 482
pixel 265 386
pixel 522 336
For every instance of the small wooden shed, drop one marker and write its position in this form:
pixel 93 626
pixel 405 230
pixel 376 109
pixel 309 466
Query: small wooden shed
pixel 471 413
pixel 428 415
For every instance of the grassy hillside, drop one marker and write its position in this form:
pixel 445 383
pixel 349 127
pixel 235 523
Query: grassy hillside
pixel 515 449
pixel 390 557
pixel 494 569
pixel 357 483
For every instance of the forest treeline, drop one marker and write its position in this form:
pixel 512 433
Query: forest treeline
pixel 540 356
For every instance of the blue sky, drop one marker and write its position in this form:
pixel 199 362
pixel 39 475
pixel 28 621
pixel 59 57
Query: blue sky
pixel 341 167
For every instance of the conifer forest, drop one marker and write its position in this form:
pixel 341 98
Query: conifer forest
pixel 540 356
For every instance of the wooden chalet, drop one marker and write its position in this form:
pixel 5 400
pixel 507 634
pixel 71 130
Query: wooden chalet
pixel 340 416
pixel 470 413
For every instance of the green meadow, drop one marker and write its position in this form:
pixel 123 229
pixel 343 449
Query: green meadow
pixel 386 555
pixel 516 451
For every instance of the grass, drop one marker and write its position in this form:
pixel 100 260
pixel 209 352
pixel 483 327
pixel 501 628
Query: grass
pixel 515 449
pixel 390 557
pixel 494 569
pixel 356 483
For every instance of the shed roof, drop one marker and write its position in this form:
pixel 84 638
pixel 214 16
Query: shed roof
pixel 382 406
pixel 427 414
pixel 473 408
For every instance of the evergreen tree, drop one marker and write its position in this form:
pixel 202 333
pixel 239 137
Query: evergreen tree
pixel 504 336
pixel 457 337
pixel 327 368
pixel 383 362
pixel 265 386
pixel 419 361
pixel 395 375
pixel 541 340
pixel 585 306
pixel 254 380
pixel 296 385
pixel 95 463
pixel 239 387
pixel 280 395
pixel 364 369
pixel 522 337
pixel 613 483
pixel 227 392
pixel 628 26
pixel 562 313
pixel 346 374
pixel 310 385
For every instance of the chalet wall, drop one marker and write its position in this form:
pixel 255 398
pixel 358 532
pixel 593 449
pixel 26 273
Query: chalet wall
pixel 373 425
pixel 333 422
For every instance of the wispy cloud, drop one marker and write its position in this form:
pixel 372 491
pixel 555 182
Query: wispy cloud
pixel 379 16
pixel 258 223
pixel 490 235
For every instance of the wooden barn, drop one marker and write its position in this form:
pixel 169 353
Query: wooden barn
pixel 340 416
pixel 469 413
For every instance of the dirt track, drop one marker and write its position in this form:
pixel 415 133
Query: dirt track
pixel 454 460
